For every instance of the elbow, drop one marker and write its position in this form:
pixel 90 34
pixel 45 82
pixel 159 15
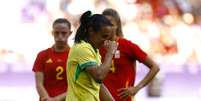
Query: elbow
pixel 97 74
pixel 38 86
pixel 99 78
pixel 156 69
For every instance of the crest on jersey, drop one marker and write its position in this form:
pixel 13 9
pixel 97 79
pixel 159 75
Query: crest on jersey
pixel 49 61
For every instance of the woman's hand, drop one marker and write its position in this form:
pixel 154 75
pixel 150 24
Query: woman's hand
pixel 111 46
pixel 124 93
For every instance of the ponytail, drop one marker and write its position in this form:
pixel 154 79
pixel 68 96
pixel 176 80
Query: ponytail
pixel 87 20
pixel 82 33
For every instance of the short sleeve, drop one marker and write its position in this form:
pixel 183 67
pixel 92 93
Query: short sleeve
pixel 38 64
pixel 86 58
pixel 137 52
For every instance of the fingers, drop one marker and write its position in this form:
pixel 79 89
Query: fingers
pixel 121 89
pixel 44 98
pixel 109 43
pixel 123 93
pixel 106 42
pixel 114 46
pixel 111 46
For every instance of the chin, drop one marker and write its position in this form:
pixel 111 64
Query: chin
pixel 60 44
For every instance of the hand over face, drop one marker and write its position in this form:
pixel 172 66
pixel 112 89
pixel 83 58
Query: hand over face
pixel 111 46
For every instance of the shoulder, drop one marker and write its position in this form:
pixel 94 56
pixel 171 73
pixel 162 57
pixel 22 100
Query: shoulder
pixel 126 42
pixel 82 50
pixel 43 53
pixel 82 47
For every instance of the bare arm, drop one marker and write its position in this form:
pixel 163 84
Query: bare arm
pixel 105 94
pixel 132 91
pixel 39 78
pixel 60 97
pixel 99 73
pixel 154 69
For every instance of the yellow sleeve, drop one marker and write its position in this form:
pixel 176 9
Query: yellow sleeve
pixel 86 57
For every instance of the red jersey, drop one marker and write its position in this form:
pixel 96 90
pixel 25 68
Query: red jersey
pixel 123 71
pixel 53 65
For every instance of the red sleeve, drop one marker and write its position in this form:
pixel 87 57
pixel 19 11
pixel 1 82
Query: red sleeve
pixel 39 62
pixel 137 52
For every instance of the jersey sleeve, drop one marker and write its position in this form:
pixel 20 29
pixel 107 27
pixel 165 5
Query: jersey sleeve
pixel 38 64
pixel 137 52
pixel 86 58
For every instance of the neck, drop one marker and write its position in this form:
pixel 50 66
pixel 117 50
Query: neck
pixel 61 48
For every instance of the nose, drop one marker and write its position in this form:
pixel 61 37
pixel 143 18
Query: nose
pixel 60 35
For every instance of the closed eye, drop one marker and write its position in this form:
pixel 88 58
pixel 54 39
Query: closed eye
pixel 105 36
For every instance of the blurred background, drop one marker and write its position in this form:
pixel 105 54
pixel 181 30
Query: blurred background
pixel 169 30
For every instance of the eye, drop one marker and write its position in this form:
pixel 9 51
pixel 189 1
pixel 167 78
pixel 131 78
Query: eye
pixel 56 32
pixel 105 36
pixel 63 33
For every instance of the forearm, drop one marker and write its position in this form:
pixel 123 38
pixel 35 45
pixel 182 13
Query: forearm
pixel 151 74
pixel 100 72
pixel 105 66
pixel 39 77
pixel 61 97
pixel 41 91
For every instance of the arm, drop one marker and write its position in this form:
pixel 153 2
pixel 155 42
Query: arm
pixel 60 97
pixel 39 78
pixel 132 91
pixel 99 73
pixel 105 94
pixel 154 69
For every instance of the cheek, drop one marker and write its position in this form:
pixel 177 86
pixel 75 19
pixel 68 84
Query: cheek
pixel 101 43
pixel 66 37
pixel 61 38
pixel 110 37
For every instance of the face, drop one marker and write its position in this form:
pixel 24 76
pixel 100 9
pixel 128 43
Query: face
pixel 98 38
pixel 112 20
pixel 61 32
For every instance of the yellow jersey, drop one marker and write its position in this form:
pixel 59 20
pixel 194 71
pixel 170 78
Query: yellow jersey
pixel 81 85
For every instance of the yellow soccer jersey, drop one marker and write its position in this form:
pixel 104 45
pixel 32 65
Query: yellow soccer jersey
pixel 81 85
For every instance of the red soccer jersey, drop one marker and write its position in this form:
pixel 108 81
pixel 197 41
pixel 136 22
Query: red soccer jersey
pixel 123 71
pixel 53 65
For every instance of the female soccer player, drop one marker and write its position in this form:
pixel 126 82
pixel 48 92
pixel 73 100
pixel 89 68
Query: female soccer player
pixel 50 64
pixel 85 71
pixel 120 80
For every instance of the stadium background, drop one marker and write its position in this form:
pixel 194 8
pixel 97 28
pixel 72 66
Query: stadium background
pixel 169 30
